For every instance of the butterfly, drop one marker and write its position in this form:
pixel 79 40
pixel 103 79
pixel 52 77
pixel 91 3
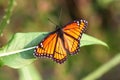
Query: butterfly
pixel 61 42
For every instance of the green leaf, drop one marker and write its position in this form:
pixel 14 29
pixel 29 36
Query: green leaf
pixel 89 40
pixel 19 51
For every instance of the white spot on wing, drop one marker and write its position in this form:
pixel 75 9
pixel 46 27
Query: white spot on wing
pixel 81 20
pixel 78 23
pixel 41 44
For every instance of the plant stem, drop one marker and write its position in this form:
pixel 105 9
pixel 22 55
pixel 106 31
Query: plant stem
pixel 103 69
pixel 6 17
pixel 29 72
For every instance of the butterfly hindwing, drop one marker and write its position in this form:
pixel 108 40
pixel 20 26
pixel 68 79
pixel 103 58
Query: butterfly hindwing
pixel 71 44
pixel 60 53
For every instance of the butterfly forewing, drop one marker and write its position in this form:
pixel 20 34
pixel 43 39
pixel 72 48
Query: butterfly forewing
pixel 46 46
pixel 72 35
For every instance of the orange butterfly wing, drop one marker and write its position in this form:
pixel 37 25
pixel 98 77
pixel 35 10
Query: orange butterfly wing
pixel 51 47
pixel 60 53
pixel 72 35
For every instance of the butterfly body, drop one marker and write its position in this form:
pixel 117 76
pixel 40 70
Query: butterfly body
pixel 61 42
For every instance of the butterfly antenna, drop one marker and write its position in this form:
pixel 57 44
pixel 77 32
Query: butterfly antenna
pixel 52 21
pixel 59 19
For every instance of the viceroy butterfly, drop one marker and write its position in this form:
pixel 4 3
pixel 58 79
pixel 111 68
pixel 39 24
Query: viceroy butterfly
pixel 64 40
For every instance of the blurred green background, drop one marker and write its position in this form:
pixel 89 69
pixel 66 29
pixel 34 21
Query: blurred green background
pixel 103 17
